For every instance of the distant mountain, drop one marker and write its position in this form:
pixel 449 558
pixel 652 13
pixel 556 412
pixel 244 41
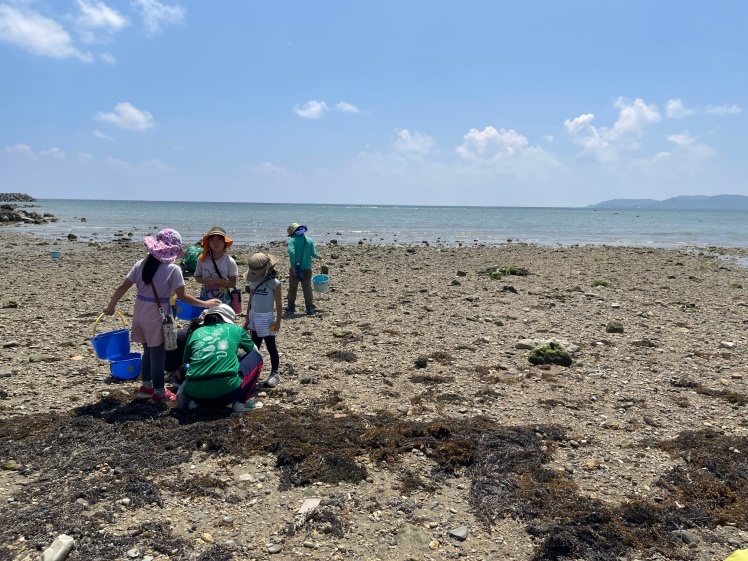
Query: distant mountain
pixel 697 202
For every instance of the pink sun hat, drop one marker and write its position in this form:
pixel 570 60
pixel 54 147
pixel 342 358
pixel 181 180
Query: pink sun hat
pixel 166 246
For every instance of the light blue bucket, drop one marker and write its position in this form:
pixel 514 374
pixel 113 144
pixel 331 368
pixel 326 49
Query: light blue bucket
pixel 55 254
pixel 321 283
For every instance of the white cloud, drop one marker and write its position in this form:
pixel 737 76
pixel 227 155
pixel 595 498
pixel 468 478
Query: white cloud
pixel 346 107
pixel 102 136
pixel 107 57
pixel 97 16
pixel 36 34
pixel 682 139
pixel 723 109
pixel 413 144
pixel 490 144
pixel 85 156
pixel 687 158
pixel 268 169
pixel 675 109
pixel 605 144
pixel 53 153
pixel 155 15
pixel 312 109
pixel 23 150
pixel 127 117
pixel 632 119
pixel 548 138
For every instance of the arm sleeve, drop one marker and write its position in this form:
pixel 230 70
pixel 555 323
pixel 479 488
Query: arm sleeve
pixel 233 268
pixel 199 269
pixel 292 252
pixel 246 341
pixel 313 250
pixel 187 351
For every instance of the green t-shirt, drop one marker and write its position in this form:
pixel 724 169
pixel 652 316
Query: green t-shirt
pixel 210 351
pixel 191 255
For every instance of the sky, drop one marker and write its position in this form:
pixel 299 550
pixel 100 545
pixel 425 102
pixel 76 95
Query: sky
pixel 402 102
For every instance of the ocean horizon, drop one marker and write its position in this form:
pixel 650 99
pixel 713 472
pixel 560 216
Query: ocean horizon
pixel 260 223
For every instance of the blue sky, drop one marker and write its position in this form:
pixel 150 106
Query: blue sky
pixel 521 103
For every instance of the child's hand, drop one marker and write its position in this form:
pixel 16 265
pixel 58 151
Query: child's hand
pixel 108 311
pixel 275 327
pixel 213 302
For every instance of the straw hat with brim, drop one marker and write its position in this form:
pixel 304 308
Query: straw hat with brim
pixel 217 231
pixel 295 229
pixel 224 311
pixel 165 246
pixel 259 265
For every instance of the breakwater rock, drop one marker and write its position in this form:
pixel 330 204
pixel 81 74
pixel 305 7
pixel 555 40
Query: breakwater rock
pixel 11 213
pixel 16 198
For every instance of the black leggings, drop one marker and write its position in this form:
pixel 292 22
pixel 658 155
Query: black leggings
pixel 272 349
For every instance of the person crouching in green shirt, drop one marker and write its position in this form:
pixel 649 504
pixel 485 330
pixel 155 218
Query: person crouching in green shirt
pixel 189 261
pixel 215 376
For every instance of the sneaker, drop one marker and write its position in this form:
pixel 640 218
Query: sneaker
pixel 310 311
pixel 273 380
pixel 145 392
pixel 290 309
pixel 250 405
pixel 166 396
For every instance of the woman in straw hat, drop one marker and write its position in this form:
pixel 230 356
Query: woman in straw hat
pixel 265 308
pixel 216 270
pixel 156 274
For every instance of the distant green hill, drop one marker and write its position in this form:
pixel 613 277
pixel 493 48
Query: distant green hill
pixel 703 202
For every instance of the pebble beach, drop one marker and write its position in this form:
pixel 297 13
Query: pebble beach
pixel 429 336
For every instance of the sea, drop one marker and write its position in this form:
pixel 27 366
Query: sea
pixel 260 223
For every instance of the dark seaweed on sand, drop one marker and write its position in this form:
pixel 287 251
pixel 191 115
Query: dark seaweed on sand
pixel 78 464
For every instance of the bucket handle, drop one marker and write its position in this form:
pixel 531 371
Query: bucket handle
pixel 124 323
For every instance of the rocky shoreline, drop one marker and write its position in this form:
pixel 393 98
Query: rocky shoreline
pixel 13 213
pixel 410 422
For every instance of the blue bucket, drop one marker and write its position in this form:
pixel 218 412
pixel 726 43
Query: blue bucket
pixel 186 311
pixel 55 254
pixel 321 283
pixel 112 344
pixel 125 367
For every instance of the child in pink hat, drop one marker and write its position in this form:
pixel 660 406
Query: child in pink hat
pixel 155 271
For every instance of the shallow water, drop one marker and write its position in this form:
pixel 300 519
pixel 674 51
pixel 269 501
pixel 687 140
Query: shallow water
pixel 256 223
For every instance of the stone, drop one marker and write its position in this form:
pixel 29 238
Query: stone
pixel 59 550
pixel 275 548
pixel 308 505
pixel 408 534
pixel 614 326
pixel 460 533
pixel 686 536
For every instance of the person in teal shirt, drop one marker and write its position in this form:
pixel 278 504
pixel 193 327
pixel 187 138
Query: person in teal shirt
pixel 216 376
pixel 300 254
